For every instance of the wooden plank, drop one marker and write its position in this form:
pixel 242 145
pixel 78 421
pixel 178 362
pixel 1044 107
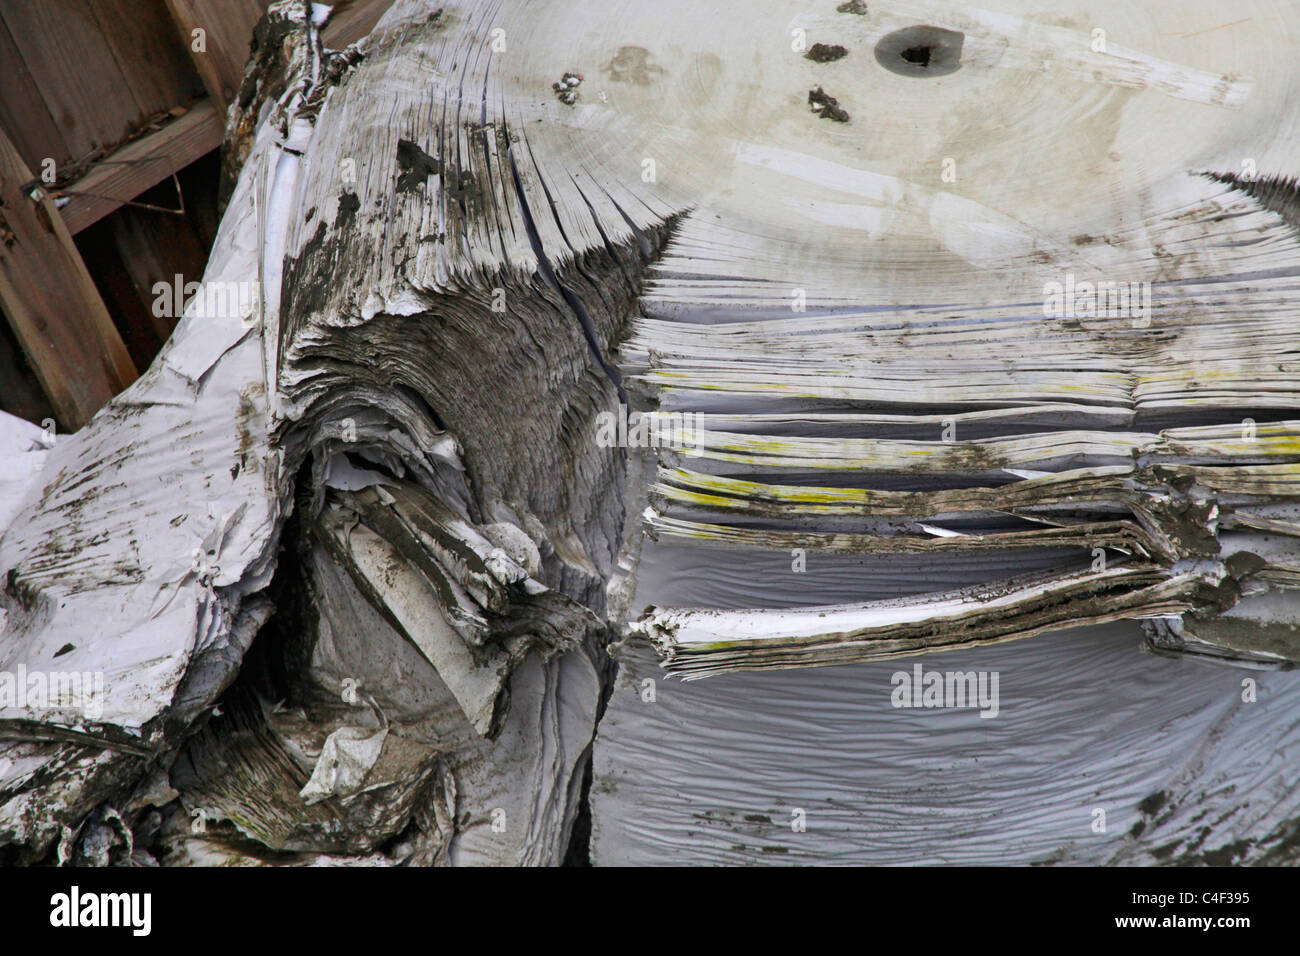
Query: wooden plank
pixel 23 111
pixel 72 66
pixel 135 167
pixel 353 20
pixel 126 253
pixel 145 44
pixel 227 27
pixel 22 394
pixel 51 303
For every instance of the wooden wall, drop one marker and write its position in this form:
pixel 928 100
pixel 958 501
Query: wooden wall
pixel 111 112
pixel 79 77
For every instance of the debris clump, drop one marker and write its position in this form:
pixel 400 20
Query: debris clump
pixel 566 90
pixel 826 106
pixel 826 52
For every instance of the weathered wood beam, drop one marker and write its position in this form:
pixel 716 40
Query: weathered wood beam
pixel 352 21
pixel 51 301
pixel 24 112
pixel 228 27
pixel 139 165
pixel 123 175
pixel 217 33
pixel 60 46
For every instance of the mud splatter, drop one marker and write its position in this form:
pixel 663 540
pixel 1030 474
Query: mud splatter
pixel 632 64
pixel 1152 804
pixel 416 166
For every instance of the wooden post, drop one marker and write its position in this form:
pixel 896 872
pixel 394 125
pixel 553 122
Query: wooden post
pixel 220 51
pixel 52 304
pixel 138 165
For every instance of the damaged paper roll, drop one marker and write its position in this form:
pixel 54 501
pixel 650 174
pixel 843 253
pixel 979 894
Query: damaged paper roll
pixel 767 289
